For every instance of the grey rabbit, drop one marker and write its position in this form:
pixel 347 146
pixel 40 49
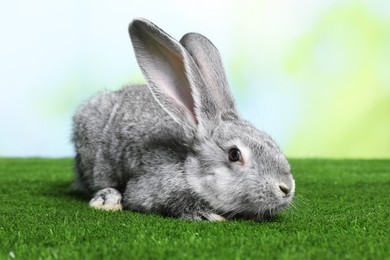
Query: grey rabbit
pixel 177 146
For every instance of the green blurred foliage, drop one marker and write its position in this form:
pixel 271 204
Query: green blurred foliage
pixel 342 68
pixel 313 74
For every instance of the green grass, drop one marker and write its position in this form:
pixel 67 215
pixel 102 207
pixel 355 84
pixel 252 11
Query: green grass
pixel 342 210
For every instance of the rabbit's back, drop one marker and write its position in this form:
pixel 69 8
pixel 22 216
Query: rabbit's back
pixel 117 134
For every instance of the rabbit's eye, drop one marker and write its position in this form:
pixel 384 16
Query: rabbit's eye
pixel 234 155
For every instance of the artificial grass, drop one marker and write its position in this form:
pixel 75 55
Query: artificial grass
pixel 341 211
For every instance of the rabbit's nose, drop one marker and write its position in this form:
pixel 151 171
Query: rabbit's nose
pixel 285 189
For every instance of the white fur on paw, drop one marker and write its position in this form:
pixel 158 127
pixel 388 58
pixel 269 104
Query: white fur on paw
pixel 107 199
pixel 214 217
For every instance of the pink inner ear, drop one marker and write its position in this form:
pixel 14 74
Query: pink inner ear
pixel 168 72
pixel 179 96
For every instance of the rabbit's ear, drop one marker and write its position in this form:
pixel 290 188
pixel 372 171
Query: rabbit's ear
pixel 169 70
pixel 209 62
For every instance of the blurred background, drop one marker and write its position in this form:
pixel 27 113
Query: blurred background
pixel 313 74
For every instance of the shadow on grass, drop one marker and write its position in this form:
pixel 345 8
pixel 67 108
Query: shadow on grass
pixel 65 190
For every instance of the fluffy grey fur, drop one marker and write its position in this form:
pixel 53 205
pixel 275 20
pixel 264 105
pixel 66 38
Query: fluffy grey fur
pixel 164 147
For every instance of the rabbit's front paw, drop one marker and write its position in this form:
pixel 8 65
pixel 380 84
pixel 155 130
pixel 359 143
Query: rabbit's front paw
pixel 212 217
pixel 107 199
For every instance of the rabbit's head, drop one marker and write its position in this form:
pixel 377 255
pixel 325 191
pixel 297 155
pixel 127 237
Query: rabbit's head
pixel 237 169
pixel 241 172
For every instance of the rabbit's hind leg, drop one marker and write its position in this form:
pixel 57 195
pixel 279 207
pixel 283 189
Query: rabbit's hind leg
pixel 107 199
